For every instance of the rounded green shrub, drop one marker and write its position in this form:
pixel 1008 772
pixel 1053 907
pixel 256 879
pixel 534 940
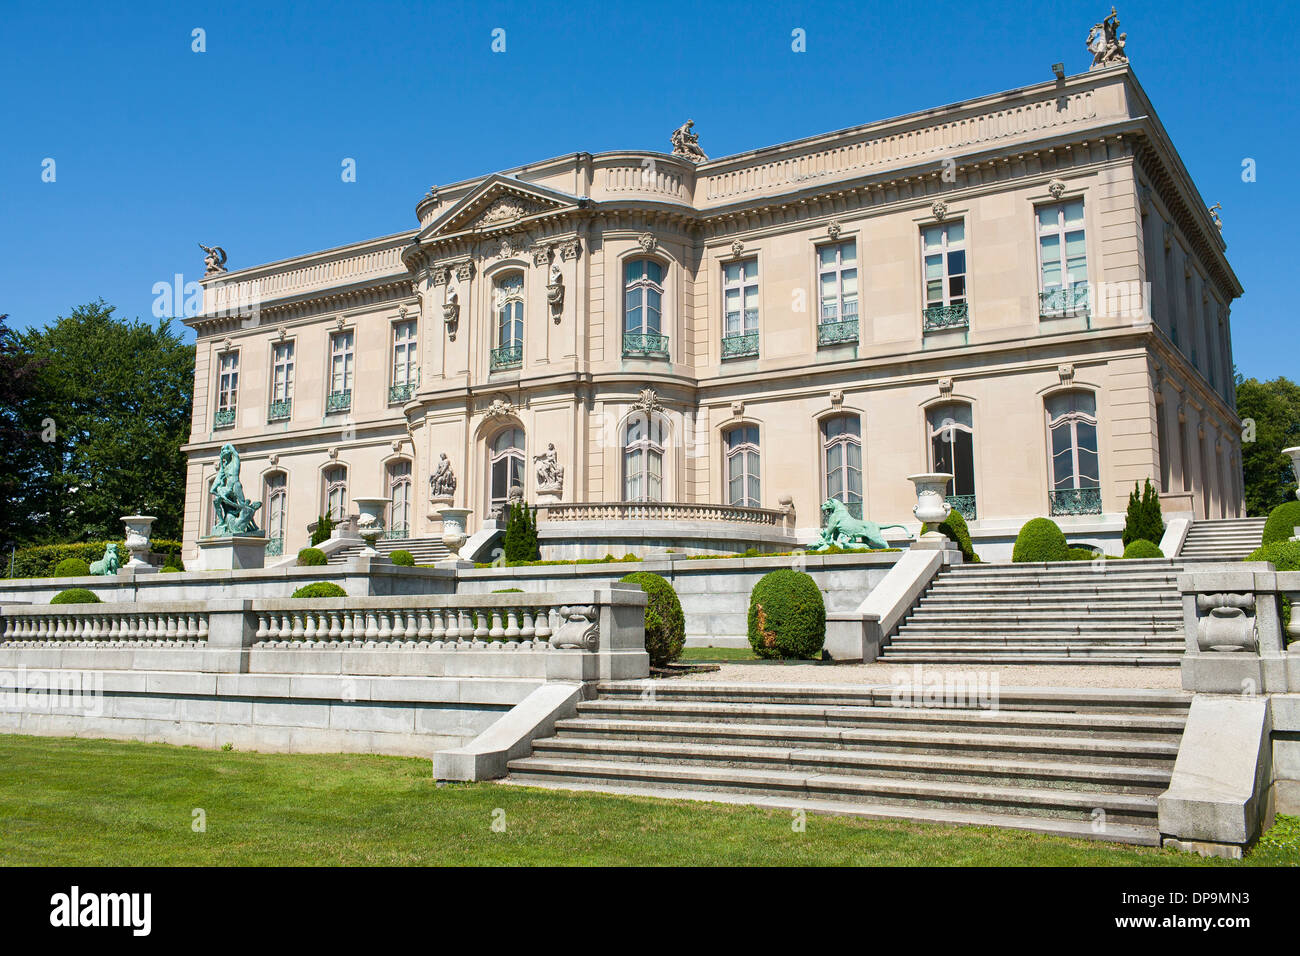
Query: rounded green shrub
pixel 1041 539
pixel 311 558
pixel 71 568
pixel 403 559
pixel 665 624
pixel 320 589
pixel 75 596
pixel 787 616
pixel 1083 554
pixel 1282 522
pixel 954 527
pixel 1142 548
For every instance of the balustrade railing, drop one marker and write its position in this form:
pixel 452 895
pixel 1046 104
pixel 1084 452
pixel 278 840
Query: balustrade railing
pixel 507 356
pixel 338 401
pixel 103 625
pixel 659 511
pixel 739 345
pixel 224 418
pixel 1064 301
pixel 279 411
pixel 1075 501
pixel 645 343
pixel 942 318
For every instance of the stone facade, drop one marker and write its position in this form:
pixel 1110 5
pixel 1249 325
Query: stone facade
pixel 671 325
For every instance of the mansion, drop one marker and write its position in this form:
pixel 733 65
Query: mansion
pixel 1024 289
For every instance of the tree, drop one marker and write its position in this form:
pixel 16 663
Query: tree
pixel 1270 413
pixel 18 369
pixel 113 398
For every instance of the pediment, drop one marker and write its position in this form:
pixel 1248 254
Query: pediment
pixel 498 203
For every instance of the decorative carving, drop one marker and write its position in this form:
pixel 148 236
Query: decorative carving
pixel 1214 212
pixel 555 291
pixel 464 271
pixel 737 247
pixel 282 332
pixel 837 396
pixel 339 323
pixel 509 289
pixel 432 193
pixel 1106 43
pixel 647 241
pixel 233 513
pixel 509 246
pixel 570 248
pixel 581 628
pixel 109 563
pixel 940 209
pixel 1226 623
pixel 505 209
pixel 441 275
pixel 1056 187
pixel 500 408
pixel 333 453
pixel 1066 373
pixel 737 409
pixel 833 229
pixel 648 402
pixel 945 388
pixel 842 530
pixel 442 483
pixel 273 460
pixel 550 473
pixel 542 254
pixel 686 144
pixel 451 314
pixel 214 260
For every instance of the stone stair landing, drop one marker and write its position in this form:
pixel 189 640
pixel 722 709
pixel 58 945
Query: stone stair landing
pixel 1231 539
pixel 424 550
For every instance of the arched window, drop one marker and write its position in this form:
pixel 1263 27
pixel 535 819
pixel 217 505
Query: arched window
pixel 336 491
pixel 505 466
pixel 742 466
pixel 277 504
pixel 508 294
pixel 643 458
pixel 1076 470
pixel 643 296
pixel 399 495
pixel 842 461
pixel 952 450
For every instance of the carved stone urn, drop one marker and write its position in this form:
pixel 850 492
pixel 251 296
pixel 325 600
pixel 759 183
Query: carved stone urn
pixel 138 530
pixel 453 530
pixel 931 494
pixel 370 524
pixel 1294 455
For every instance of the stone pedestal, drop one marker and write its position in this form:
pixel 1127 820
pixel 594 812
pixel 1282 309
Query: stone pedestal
pixel 232 553
pixel 550 496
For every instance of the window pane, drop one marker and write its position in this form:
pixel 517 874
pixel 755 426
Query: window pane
pixel 849 253
pixel 957 263
pixel 827 256
pixel 933 267
pixel 956 233
pixel 655 271
pixel 1048 216
pixel 932 237
pixel 751 269
pixel 1074 213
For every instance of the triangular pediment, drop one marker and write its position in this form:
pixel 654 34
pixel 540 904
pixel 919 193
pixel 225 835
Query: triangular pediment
pixel 498 202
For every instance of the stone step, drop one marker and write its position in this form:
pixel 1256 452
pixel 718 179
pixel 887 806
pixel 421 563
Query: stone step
pixel 993 651
pixel 976 659
pixel 1086 617
pixel 1083 578
pixel 1044 627
pixel 1001 770
pixel 423 550
pixel 1124 808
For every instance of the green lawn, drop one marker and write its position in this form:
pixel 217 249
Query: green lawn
pixel 718 654
pixel 97 802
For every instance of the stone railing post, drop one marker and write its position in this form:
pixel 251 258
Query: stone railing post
pixel 619 652
pixel 231 632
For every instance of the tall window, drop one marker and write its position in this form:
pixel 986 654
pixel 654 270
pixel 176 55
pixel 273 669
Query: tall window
pixel 643 458
pixel 1062 261
pixel 837 279
pixel 341 371
pixel 952 450
pixel 842 461
pixel 506 465
pixel 227 388
pixel 943 250
pixel 399 494
pixel 277 503
pixel 336 491
pixel 742 466
pixel 281 381
pixel 1076 471
pixel 406 366
pixel 740 308
pixel 508 293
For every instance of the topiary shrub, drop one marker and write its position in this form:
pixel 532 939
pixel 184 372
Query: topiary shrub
pixel 1142 548
pixel 1143 519
pixel 1040 540
pixel 403 559
pixel 75 596
pixel 787 616
pixel 169 570
pixel 665 624
pixel 954 527
pixel 1282 522
pixel 324 528
pixel 311 558
pixel 1285 556
pixel 1083 554
pixel 320 589
pixel 71 568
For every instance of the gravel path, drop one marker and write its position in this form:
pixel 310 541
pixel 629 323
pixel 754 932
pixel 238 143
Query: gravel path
pixel 1039 675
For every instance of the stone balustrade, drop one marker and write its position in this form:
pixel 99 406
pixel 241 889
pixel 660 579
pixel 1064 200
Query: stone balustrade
pixel 660 511
pixel 107 624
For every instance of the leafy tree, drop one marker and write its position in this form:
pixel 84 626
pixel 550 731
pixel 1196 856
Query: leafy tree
pixel 18 369
pixel 104 425
pixel 1270 413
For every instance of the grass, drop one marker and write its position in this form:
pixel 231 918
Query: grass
pixel 99 802
pixel 718 654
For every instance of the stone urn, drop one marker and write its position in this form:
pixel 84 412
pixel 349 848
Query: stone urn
pixel 453 530
pixel 138 530
pixel 931 497
pixel 1294 455
pixel 370 524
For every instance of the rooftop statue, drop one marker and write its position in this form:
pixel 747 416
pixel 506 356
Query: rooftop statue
pixel 214 260
pixel 1106 43
pixel 842 530
pixel 687 144
pixel 234 513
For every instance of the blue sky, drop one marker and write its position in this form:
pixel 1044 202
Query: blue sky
pixel 158 147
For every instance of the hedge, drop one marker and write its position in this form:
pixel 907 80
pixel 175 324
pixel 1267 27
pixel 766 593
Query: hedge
pixel 312 558
pixel 320 589
pixel 1285 556
pixel 75 596
pixel 169 570
pixel 1041 539
pixel 1142 548
pixel 403 559
pixel 665 624
pixel 39 561
pixel 787 616
pixel 1282 522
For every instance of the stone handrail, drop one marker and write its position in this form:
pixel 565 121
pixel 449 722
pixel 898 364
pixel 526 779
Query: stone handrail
pixel 109 624
pixel 659 511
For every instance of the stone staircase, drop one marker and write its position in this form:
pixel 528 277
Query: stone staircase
pixel 1230 539
pixel 1075 762
pixel 1076 612
pixel 424 550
